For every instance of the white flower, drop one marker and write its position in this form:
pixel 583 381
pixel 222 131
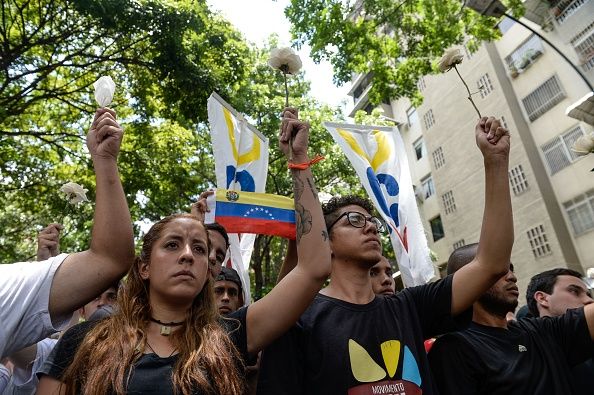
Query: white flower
pixel 75 193
pixel 104 90
pixel 286 57
pixel 450 58
pixel 584 145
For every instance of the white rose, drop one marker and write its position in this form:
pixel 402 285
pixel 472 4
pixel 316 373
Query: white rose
pixel 450 58
pixel 280 57
pixel 584 145
pixel 104 90
pixel 75 193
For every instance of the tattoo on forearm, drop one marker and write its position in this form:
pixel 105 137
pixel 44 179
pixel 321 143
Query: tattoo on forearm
pixel 304 221
pixel 325 235
pixel 298 187
pixel 312 188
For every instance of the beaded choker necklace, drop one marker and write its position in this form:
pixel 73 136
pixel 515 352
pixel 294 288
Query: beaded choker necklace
pixel 166 326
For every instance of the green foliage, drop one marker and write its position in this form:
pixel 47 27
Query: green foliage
pixel 396 41
pixel 165 57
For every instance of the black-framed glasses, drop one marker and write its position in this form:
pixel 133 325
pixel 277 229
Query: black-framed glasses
pixel 359 220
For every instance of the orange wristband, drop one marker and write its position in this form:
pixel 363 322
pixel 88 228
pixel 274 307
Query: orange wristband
pixel 305 165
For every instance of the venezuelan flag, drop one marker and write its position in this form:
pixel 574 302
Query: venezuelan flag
pixel 251 212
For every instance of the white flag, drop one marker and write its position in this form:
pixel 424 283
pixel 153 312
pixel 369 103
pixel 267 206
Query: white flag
pixel 241 163
pixel 379 158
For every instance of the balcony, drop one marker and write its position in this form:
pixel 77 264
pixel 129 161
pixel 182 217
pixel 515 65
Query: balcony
pixel 524 56
pixel 565 8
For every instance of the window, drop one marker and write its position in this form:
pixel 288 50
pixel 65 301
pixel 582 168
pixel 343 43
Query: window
pixel 362 87
pixel 583 43
pixel 538 241
pixel 458 244
pixel 524 56
pixel 419 147
pixel 505 25
pixel 566 8
pixel 543 98
pixel 558 153
pixel 428 187
pixel 449 204
pixel 580 212
pixel 369 108
pixel 438 158
pixel 517 180
pixel 484 86
pixel 428 119
pixel 412 116
pixel 437 228
pixel 421 84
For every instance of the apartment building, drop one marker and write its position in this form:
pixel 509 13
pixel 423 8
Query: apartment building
pixel 522 80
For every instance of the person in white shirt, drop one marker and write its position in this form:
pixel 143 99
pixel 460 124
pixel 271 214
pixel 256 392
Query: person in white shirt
pixel 38 299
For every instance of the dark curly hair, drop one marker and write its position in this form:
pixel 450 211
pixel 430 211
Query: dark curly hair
pixel 545 282
pixel 330 209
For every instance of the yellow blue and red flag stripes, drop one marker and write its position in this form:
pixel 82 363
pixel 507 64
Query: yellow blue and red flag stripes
pixel 252 212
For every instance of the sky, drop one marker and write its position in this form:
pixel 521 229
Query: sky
pixel 258 19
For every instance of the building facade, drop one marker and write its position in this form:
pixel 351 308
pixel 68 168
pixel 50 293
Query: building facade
pixel 523 81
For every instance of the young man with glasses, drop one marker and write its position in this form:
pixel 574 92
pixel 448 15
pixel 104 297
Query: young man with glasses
pixel 351 342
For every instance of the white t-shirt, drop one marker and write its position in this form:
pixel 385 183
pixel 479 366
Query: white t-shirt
pixel 24 299
pixel 4 377
pixel 24 381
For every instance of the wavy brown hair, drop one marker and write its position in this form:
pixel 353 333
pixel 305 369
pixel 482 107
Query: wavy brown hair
pixel 207 360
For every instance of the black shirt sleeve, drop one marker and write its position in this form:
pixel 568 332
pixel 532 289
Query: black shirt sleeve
pixel 433 303
pixel 63 353
pixel 455 366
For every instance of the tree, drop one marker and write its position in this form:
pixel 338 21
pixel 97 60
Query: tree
pixel 166 58
pixel 396 42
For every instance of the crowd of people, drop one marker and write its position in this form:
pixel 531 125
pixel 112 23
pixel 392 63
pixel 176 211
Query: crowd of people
pixel 174 320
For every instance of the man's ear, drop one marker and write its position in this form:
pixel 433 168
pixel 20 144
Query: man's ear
pixel 144 271
pixel 542 299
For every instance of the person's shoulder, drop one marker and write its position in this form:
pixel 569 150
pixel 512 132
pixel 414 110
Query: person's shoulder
pixel 20 269
pixel 77 333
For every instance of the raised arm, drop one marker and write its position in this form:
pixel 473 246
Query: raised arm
pixel 497 232
pixel 274 314
pixel 85 275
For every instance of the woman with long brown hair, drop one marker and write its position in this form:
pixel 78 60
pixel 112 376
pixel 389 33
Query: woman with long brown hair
pixel 167 337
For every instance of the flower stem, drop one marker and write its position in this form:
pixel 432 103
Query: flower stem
pixel 469 94
pixel 284 70
pixel 286 89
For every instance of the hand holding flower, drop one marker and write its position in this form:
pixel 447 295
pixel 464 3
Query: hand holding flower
pixel 48 242
pixel 105 136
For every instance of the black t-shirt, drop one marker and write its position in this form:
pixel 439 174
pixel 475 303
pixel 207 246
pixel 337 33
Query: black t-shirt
pixel 534 356
pixel 152 374
pixel 338 347
pixel 582 376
